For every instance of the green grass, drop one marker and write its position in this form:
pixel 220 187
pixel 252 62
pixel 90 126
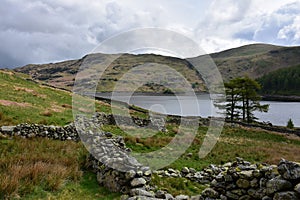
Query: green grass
pixel 88 188
pixel 24 101
pixel 252 145
pixel 29 102
pixel 177 186
pixel 47 169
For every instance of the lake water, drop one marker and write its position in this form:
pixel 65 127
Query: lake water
pixel 279 112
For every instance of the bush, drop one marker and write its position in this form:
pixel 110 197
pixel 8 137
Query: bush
pixel 290 124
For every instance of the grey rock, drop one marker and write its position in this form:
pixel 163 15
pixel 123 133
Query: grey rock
pixel 160 194
pixel 228 178
pixel 289 170
pixel 245 197
pixel 297 188
pixel 243 183
pixel 223 197
pixel 257 193
pixel 185 170
pixel 198 197
pixel 230 195
pixel 266 198
pixel 286 196
pixel 277 184
pixel 137 182
pixel 182 197
pixel 254 183
pixel 169 197
pixel 143 198
pixel 246 174
pixel 229 164
pixel 141 192
pixel 192 170
pixel 130 174
pixel 7 129
pixel 209 192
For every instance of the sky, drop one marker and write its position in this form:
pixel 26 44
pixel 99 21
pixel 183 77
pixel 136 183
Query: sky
pixel 44 31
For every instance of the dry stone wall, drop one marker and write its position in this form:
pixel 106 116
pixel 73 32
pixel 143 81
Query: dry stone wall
pixel 118 171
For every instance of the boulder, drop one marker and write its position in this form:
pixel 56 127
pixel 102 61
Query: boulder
pixel 289 170
pixel 138 182
pixel 278 184
pixel 286 196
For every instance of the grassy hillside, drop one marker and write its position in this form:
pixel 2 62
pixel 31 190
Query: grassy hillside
pixel 282 82
pixel 25 101
pixel 253 60
pixel 22 100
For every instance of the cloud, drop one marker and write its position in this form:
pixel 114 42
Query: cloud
pixel 230 23
pixel 41 31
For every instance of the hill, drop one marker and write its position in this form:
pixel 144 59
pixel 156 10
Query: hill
pixel 63 74
pixel 254 60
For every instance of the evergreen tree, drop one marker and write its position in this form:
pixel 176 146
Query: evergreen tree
pixel 242 99
pixel 290 124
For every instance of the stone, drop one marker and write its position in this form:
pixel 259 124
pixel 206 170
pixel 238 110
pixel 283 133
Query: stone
pixel 171 171
pixel 256 173
pixel 289 170
pixel 286 196
pixel 239 192
pixel 197 197
pixel 297 188
pixel 266 198
pixel 169 197
pixel 227 164
pixel 147 173
pixel 243 183
pixel 223 197
pixel 108 134
pixel 7 129
pixel 185 170
pixel 230 195
pixel 228 178
pixel 192 170
pixel 160 194
pixel 254 183
pixel 277 184
pixel 209 192
pixel 245 197
pixel 257 193
pixel 124 197
pixel 246 174
pixel 182 197
pixel 130 174
pixel 141 192
pixel 137 182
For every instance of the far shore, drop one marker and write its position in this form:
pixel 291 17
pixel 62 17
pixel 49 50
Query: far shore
pixel 264 97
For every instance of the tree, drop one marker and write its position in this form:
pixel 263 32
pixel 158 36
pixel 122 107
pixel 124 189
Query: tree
pixel 290 124
pixel 242 99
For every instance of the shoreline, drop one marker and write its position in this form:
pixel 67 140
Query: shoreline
pixel 280 98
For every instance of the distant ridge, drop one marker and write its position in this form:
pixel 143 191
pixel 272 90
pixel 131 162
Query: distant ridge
pixel 254 60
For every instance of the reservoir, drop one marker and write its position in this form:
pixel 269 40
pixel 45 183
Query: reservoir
pixel 201 105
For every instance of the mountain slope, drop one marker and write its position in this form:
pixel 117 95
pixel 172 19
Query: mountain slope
pixel 253 60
